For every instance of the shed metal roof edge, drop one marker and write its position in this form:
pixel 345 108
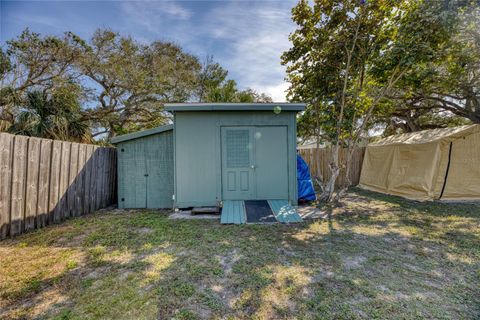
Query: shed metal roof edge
pixel 140 134
pixel 173 107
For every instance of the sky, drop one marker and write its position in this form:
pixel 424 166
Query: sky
pixel 245 37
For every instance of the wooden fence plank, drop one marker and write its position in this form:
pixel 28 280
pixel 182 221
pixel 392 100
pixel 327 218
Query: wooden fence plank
pixel 6 156
pixel 100 173
pixel 18 185
pixel 54 193
pixel 80 189
pixel 72 183
pixel 106 178
pixel 113 170
pixel 114 176
pixel 87 179
pixel 111 175
pixel 31 193
pixel 64 182
pixel 106 169
pixel 95 173
pixel 93 180
pixel 103 159
pixel 43 183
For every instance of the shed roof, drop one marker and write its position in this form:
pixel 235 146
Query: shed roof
pixel 427 136
pixel 140 134
pixel 174 107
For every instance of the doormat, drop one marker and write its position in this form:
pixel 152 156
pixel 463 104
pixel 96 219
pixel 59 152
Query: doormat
pixel 259 211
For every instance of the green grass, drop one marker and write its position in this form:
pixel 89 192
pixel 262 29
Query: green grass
pixel 377 257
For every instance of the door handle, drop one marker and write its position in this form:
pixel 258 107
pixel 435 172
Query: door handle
pixel 145 175
pixel 253 166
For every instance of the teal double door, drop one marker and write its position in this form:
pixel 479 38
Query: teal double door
pixel 254 162
pixel 146 172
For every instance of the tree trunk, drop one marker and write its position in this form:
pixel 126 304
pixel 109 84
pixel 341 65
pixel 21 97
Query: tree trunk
pixel 327 193
pixel 348 181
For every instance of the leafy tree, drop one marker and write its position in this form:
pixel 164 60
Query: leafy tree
pixel 251 95
pixel 450 80
pixel 215 87
pixel 347 56
pixel 121 83
pixel 135 80
pixel 210 78
pixel 228 92
pixel 414 118
pixel 53 116
pixel 33 62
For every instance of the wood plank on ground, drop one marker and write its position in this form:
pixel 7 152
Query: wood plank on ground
pixel 284 212
pixel 205 210
pixel 233 212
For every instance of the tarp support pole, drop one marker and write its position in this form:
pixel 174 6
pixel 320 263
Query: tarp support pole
pixel 446 172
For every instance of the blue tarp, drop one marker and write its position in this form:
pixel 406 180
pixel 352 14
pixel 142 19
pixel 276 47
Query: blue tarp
pixel 305 185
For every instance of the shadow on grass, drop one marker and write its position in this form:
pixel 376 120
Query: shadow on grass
pixel 434 208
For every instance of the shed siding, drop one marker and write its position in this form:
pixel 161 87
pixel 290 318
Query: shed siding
pixel 159 161
pixel 152 155
pixel 198 179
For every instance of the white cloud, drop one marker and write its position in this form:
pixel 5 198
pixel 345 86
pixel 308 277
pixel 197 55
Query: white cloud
pixel 150 13
pixel 277 92
pixel 257 35
pixel 175 10
pixel 247 38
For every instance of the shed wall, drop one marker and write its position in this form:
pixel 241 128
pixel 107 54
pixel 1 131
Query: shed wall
pixel 150 155
pixel 198 180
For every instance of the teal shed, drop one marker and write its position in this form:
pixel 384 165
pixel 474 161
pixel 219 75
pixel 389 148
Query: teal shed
pixel 213 152
pixel 145 168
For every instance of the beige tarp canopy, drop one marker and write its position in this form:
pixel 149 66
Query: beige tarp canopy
pixel 426 165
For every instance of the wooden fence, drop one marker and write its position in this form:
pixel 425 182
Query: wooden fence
pixel 318 160
pixel 46 181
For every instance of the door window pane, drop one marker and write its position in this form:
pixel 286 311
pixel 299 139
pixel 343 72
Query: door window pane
pixel 238 148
